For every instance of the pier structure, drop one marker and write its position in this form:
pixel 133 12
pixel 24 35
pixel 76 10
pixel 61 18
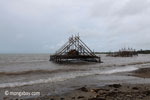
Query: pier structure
pixel 74 50
pixel 124 53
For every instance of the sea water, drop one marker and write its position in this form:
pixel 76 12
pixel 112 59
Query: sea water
pixel 30 69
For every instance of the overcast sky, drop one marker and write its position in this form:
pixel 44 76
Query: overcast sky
pixel 42 26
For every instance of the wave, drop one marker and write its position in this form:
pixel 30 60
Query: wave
pixel 69 75
pixel 127 64
pixel 39 71
pixel 120 69
pixel 22 61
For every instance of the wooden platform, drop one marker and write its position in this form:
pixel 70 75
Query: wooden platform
pixel 74 49
pixel 62 58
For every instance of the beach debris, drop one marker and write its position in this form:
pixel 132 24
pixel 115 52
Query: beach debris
pixel 97 99
pixel 135 88
pixel 84 89
pixel 95 90
pixel 115 85
pixel 80 97
pixel 111 93
pixel 5 98
pixel 130 96
pixel 75 50
pixel 147 92
pixel 62 98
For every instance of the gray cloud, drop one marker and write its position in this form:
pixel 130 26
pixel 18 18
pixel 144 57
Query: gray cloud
pixel 35 26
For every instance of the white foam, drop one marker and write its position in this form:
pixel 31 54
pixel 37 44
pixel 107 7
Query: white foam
pixel 120 69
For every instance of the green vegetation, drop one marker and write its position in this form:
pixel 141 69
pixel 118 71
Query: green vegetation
pixel 143 52
pixel 139 52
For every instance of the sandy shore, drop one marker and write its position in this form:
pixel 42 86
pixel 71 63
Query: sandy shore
pixel 143 73
pixel 108 92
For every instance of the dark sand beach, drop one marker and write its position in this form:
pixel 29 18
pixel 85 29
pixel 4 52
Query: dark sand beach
pixel 143 73
pixel 108 92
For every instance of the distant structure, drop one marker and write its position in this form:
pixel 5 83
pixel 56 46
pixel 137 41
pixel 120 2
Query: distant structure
pixel 74 50
pixel 124 53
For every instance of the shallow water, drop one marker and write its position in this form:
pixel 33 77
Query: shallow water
pixel 29 69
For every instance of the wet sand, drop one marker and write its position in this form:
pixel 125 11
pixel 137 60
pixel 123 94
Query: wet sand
pixel 108 92
pixel 143 73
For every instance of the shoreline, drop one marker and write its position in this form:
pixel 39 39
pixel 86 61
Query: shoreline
pixel 108 92
pixel 116 90
pixel 142 73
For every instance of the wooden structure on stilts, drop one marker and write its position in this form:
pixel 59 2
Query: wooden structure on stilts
pixel 124 53
pixel 74 50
